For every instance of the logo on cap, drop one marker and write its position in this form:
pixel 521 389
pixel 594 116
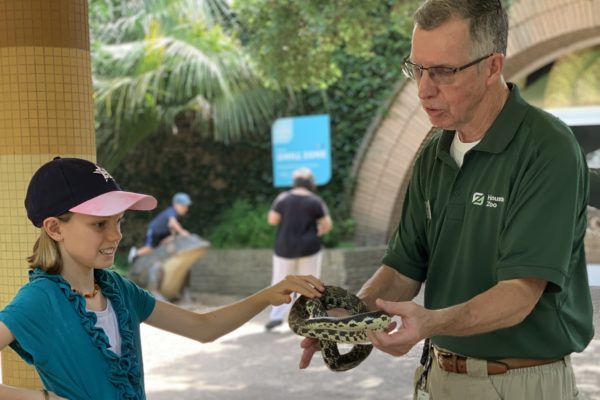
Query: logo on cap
pixel 104 173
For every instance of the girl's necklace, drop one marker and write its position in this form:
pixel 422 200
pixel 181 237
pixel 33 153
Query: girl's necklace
pixel 89 295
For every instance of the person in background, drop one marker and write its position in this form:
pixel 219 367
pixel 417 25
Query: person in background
pixel 163 226
pixel 301 218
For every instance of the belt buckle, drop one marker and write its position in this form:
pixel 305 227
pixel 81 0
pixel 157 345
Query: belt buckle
pixel 442 356
pixel 448 362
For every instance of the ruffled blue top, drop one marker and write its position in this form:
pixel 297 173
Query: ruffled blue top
pixel 55 333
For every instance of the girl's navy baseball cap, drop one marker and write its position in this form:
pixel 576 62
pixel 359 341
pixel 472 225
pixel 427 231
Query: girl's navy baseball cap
pixel 80 186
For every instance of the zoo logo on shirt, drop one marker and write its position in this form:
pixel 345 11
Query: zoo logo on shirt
pixel 491 201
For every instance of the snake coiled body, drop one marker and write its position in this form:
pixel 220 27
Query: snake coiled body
pixel 308 317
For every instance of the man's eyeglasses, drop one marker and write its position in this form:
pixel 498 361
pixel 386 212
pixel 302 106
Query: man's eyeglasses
pixel 440 75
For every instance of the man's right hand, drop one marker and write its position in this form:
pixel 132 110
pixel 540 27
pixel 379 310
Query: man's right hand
pixel 310 346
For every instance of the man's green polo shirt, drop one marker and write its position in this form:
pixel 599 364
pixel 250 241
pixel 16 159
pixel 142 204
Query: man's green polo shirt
pixel 516 209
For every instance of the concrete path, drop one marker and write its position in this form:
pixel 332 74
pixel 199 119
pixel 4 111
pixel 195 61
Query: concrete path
pixel 250 364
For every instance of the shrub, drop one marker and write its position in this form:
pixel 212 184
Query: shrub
pixel 243 226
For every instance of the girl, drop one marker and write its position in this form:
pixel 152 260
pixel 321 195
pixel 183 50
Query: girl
pixel 76 321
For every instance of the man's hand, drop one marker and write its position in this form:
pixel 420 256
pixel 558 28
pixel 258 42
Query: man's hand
pixel 399 342
pixel 310 346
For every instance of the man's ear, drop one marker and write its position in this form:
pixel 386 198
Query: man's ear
pixel 496 67
pixel 52 227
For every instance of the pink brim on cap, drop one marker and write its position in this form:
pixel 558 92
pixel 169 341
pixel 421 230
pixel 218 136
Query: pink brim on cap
pixel 112 203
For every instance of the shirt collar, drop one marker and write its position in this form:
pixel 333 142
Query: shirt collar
pixel 502 131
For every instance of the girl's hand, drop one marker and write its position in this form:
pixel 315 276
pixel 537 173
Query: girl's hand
pixel 306 285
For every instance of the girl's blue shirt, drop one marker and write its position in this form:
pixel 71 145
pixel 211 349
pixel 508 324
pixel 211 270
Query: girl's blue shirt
pixel 56 334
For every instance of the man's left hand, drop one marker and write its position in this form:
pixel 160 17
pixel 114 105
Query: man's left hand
pixel 399 342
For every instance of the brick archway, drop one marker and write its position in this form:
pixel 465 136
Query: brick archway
pixel 539 33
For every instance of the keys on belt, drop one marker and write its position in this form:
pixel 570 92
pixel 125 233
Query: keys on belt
pixel 451 362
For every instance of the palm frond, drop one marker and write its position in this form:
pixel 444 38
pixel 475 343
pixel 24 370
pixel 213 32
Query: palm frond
pixel 162 61
pixel 125 96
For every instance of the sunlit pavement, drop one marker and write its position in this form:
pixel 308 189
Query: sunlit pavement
pixel 252 364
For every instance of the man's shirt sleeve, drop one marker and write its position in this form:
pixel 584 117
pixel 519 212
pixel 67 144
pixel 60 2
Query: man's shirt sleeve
pixel 546 218
pixel 407 250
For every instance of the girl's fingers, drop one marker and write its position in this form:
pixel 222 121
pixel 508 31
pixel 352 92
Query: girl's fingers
pixel 311 281
pixel 306 285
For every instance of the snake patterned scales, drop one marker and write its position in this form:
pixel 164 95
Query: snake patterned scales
pixel 308 317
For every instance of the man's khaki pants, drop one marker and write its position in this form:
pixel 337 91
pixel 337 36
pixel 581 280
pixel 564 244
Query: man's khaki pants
pixel 554 381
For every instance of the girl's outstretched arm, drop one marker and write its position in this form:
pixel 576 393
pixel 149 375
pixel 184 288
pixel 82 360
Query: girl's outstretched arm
pixel 209 326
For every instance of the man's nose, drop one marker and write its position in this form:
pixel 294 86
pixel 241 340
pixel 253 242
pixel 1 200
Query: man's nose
pixel 427 88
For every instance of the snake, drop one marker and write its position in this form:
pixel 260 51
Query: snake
pixel 309 318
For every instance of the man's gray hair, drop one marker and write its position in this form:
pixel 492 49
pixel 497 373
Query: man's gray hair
pixel 488 21
pixel 303 177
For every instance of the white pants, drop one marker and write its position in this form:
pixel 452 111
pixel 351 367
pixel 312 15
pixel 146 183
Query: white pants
pixel 283 267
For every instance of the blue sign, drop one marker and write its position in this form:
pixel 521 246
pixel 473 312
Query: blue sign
pixel 301 142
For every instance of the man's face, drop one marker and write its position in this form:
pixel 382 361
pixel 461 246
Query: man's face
pixel 449 106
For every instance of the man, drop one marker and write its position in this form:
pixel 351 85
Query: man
pixel 493 221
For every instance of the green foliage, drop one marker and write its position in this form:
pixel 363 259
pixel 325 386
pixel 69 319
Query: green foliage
pixel 244 225
pixel 217 174
pixel 341 234
pixel 121 265
pixel 293 42
pixel 402 13
pixel 157 63
pixel 352 104
pixel 214 174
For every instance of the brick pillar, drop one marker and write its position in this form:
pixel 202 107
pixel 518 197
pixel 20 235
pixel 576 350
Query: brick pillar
pixel 46 109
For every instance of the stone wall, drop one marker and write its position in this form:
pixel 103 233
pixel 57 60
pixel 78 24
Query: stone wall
pixel 243 272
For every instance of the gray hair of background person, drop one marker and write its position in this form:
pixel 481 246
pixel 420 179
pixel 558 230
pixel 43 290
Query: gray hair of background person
pixel 303 177
pixel 487 18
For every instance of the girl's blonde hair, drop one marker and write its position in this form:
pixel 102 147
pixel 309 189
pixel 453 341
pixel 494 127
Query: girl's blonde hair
pixel 46 254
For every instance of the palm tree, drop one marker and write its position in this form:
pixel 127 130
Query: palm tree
pixel 574 80
pixel 161 63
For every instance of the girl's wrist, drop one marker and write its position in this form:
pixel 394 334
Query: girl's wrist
pixel 263 297
pixel 45 394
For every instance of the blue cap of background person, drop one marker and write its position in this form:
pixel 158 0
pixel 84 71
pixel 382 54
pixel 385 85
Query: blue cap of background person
pixel 182 198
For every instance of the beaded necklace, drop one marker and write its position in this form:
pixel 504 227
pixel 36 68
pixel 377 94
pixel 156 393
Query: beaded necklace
pixel 89 295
